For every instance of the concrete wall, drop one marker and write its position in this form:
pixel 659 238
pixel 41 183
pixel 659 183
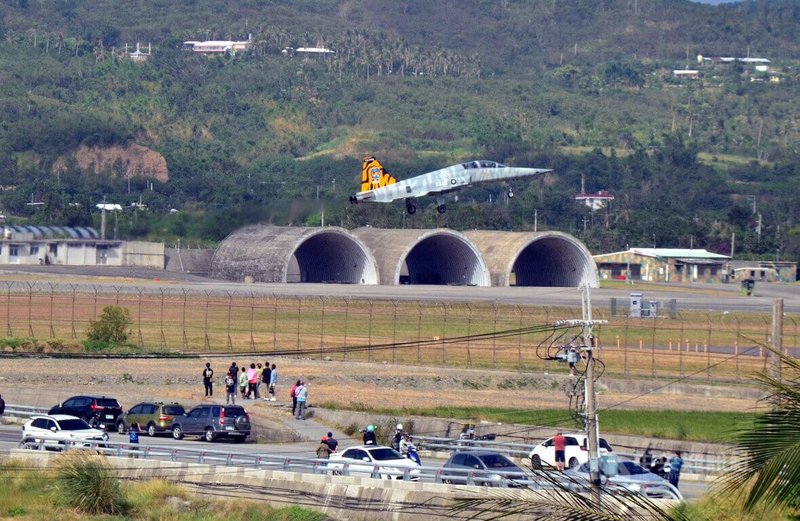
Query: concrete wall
pixel 189 261
pixel 341 497
pixel 140 253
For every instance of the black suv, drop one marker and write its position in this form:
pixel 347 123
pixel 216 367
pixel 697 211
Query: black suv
pixel 213 421
pixel 96 410
pixel 152 417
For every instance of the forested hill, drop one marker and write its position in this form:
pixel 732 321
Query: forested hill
pixel 582 86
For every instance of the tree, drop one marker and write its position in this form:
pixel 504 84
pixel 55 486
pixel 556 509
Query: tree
pixel 112 326
pixel 769 450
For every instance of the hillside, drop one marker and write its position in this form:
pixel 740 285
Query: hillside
pixel 581 86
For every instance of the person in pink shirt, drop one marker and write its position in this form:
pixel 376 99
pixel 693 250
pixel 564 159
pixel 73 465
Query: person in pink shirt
pixel 252 380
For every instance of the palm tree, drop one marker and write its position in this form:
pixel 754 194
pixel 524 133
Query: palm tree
pixel 564 499
pixel 769 450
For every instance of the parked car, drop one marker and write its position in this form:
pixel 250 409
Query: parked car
pixel 213 421
pixel 151 417
pixel 632 477
pixel 576 452
pixel 57 429
pixel 482 468
pixel 95 410
pixel 366 460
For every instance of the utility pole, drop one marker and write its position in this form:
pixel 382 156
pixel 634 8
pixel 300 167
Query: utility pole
pixel 774 360
pixel 590 421
pixel 592 425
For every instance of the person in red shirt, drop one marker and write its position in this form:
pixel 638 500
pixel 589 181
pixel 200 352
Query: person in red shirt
pixel 560 444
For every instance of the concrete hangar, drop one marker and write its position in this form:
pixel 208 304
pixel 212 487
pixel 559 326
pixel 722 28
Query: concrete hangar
pixel 260 253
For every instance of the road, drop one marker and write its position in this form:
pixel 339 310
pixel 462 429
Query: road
pixel 697 296
pixel 10 436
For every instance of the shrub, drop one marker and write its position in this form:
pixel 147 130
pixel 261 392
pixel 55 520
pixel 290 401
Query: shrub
pixel 112 326
pixel 88 485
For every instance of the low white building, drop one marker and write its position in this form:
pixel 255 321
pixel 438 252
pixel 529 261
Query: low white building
pixel 80 246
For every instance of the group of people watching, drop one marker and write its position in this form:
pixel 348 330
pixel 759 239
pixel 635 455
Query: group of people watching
pixel 245 381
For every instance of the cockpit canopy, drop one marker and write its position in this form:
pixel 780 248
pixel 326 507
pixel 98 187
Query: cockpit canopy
pixel 482 164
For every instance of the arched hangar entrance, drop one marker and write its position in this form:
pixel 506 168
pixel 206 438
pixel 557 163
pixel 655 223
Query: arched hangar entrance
pixel 535 259
pixel 288 254
pixel 440 256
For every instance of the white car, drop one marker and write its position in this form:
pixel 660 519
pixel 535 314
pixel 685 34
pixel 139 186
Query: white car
pixel 56 429
pixel 373 460
pixel 576 451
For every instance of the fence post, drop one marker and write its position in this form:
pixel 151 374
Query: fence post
pixel 444 334
pixel 346 323
pixel 394 334
pixel 183 321
pixel 9 332
pixel 369 336
pixel 322 325
pixel 519 338
pixel 469 333
pixel 52 304
pixel 494 336
pixel 252 321
pixel 274 322
pixel 30 310
pixel 205 322
pixel 161 322
pixel 419 331
pixel 299 305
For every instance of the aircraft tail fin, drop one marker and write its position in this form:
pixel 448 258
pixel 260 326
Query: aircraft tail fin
pixel 373 175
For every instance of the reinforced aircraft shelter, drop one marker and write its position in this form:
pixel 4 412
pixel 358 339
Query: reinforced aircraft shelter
pixel 403 256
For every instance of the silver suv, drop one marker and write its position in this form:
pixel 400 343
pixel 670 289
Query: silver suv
pixel 213 421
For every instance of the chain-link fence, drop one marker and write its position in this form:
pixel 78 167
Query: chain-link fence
pixel 54 316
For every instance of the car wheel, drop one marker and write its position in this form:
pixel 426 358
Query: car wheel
pixel 177 432
pixel 121 427
pixel 447 481
pixel 573 463
pixel 536 462
pixel 209 435
pixel 151 430
pixel 28 443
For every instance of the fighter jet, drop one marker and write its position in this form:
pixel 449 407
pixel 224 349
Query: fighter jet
pixel 379 186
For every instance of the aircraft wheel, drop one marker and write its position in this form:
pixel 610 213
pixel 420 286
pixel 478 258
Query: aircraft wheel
pixel 510 194
pixel 441 208
pixel 411 209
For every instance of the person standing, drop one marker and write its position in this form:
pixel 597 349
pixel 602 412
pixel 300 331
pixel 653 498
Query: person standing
pixel 324 450
pixel 332 443
pixel 252 380
pixel 302 396
pixel 133 439
pixel 265 374
pixel 208 382
pixel 675 465
pixel 369 436
pixel 560 446
pixel 2 407
pixel 293 396
pixel 273 382
pixel 233 370
pixel 259 374
pixel 230 389
pixel 243 383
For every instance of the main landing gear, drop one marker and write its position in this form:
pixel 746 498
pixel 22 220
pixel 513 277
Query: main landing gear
pixel 411 208
pixel 440 206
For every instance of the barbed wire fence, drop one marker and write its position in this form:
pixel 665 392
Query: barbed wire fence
pixel 55 317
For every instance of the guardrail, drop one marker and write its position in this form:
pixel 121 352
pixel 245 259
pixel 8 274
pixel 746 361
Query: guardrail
pixel 23 411
pixel 705 466
pixel 494 478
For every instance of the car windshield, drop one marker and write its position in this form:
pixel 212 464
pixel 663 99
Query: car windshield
pixel 174 410
pixel 385 453
pixel 75 424
pixel 496 461
pixel 107 402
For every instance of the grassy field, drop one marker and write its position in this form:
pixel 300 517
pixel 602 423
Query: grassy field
pixel 698 345
pixel 712 427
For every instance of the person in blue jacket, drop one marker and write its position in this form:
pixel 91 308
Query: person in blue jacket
pixel 675 464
